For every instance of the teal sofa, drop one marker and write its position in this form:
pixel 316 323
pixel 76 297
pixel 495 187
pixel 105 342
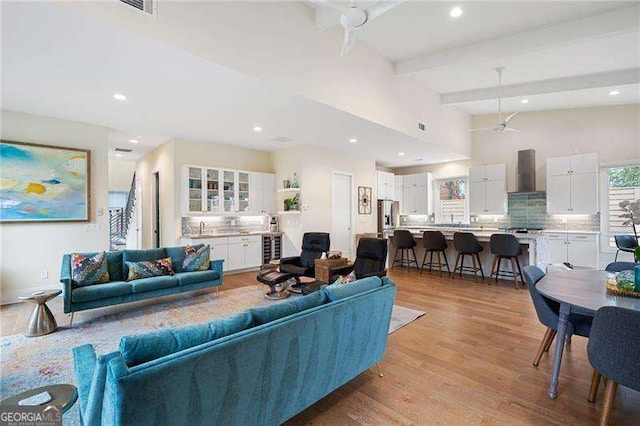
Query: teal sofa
pixel 118 290
pixel 260 367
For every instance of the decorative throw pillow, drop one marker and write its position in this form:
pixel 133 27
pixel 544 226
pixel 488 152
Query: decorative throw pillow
pixel 345 279
pixel 149 268
pixel 196 259
pixel 89 270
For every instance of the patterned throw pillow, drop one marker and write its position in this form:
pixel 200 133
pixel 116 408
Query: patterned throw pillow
pixel 196 259
pixel 89 270
pixel 345 279
pixel 149 268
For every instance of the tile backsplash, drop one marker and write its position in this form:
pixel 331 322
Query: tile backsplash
pixel 528 210
pixel 225 224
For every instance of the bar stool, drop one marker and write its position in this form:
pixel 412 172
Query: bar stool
pixel 506 246
pixel 465 244
pixel 434 242
pixel 403 240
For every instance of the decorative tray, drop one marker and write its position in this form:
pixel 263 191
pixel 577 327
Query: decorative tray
pixel 612 288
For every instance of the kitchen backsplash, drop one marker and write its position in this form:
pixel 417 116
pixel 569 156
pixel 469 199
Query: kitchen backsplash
pixel 224 224
pixel 528 210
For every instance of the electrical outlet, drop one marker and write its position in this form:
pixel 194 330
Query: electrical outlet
pixel 233 222
pixel 44 274
pixel 99 211
pixel 92 227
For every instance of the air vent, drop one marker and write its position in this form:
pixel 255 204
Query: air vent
pixel 122 149
pixel 422 126
pixel 146 6
pixel 281 139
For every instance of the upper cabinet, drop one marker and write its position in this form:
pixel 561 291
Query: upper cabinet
pixel 209 190
pixel 416 194
pixel 386 186
pixel 398 191
pixel 572 184
pixel 488 189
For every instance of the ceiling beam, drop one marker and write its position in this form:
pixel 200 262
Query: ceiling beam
pixel 580 82
pixel 594 27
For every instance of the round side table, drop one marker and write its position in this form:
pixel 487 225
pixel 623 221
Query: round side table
pixel 42 320
pixel 62 396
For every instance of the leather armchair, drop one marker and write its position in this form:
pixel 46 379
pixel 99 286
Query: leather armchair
pixel 371 258
pixel 313 245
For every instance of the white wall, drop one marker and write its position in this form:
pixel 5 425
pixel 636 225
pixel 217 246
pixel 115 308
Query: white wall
pixel 120 174
pixel 29 249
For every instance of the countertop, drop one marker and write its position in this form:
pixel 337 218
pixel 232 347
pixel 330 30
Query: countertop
pixel 483 235
pixel 232 234
pixel 568 231
pixel 488 229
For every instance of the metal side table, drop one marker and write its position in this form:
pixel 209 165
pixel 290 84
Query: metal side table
pixel 42 320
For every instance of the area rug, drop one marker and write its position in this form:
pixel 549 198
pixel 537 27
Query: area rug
pixel 26 363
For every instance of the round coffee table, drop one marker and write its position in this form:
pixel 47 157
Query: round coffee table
pixel 62 396
pixel 42 320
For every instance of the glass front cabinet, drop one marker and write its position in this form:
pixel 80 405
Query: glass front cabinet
pixel 215 191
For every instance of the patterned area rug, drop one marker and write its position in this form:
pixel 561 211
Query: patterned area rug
pixel 26 363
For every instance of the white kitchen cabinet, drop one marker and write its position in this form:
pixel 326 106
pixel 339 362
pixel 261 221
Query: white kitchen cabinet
pixel 262 193
pixel 579 249
pixel 488 189
pixel 201 190
pixel 416 194
pixel 572 184
pixel 386 185
pixel 245 252
pixel 398 191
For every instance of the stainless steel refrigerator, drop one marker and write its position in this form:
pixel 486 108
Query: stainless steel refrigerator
pixel 388 215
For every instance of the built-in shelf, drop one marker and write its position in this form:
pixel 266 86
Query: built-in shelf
pixel 289 212
pixel 289 190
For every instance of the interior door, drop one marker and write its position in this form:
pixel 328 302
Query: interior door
pixel 341 213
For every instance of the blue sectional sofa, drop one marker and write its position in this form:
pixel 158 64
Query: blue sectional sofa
pixel 118 290
pixel 260 367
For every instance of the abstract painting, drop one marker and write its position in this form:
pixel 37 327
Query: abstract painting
pixel 42 183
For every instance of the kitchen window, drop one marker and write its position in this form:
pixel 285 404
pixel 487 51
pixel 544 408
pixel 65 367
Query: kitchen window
pixel 450 200
pixel 619 183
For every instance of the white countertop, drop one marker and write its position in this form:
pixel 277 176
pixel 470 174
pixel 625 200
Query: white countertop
pixel 568 231
pixel 232 234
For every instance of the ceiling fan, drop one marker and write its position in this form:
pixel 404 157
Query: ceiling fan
pixel 355 17
pixel 503 125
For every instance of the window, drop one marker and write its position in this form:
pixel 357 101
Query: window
pixel 620 184
pixel 451 200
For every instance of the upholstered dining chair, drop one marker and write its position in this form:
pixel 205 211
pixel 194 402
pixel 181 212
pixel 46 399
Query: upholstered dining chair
pixel 614 351
pixel 625 243
pixel 547 311
pixel 620 266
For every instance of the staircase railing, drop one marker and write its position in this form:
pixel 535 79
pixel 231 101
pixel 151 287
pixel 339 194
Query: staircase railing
pixel 120 219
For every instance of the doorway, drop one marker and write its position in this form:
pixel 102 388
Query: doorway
pixel 342 213
pixel 156 209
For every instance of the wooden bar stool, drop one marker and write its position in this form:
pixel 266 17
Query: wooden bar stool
pixel 466 244
pixel 506 246
pixel 434 242
pixel 403 240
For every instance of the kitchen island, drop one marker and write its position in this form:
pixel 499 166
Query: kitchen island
pixel 534 246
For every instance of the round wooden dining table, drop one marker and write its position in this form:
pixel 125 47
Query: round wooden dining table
pixel 582 290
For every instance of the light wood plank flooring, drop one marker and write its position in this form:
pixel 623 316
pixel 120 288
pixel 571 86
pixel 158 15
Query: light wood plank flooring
pixel 468 361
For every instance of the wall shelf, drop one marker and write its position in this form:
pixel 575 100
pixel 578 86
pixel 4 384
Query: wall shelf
pixel 289 190
pixel 289 212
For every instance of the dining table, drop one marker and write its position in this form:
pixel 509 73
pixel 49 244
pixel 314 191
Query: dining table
pixel 579 291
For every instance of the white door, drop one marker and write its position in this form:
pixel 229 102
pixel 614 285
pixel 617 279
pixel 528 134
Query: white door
pixel 341 213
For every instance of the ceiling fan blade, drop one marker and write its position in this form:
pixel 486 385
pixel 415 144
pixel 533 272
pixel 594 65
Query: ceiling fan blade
pixel 511 129
pixel 506 121
pixel 380 7
pixel 349 41
pixel 485 129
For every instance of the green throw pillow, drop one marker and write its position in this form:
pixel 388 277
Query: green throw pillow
pixel 196 259
pixel 88 270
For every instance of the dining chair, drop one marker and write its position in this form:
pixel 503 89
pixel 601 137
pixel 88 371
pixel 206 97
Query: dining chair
pixel 466 244
pixel 620 266
pixel 404 241
pixel 506 247
pixel 547 311
pixel 625 243
pixel 434 242
pixel 614 351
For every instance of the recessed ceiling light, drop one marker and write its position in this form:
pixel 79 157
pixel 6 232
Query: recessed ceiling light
pixel 133 140
pixel 257 129
pixel 353 140
pixel 524 101
pixel 118 155
pixel 456 12
pixel 119 97
pixel 614 93
pixel 401 154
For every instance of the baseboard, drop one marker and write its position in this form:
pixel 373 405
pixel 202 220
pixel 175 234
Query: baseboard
pixel 239 271
pixel 9 297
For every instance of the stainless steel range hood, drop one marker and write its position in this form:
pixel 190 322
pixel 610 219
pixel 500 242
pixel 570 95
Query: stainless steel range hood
pixel 526 172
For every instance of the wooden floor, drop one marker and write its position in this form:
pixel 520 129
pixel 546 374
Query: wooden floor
pixel 468 361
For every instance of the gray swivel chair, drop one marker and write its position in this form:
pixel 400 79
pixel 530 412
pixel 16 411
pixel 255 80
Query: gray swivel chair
pixel 620 266
pixel 506 247
pixel 466 244
pixel 614 351
pixel 547 311
pixel 625 243
pixel 434 242
pixel 404 241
